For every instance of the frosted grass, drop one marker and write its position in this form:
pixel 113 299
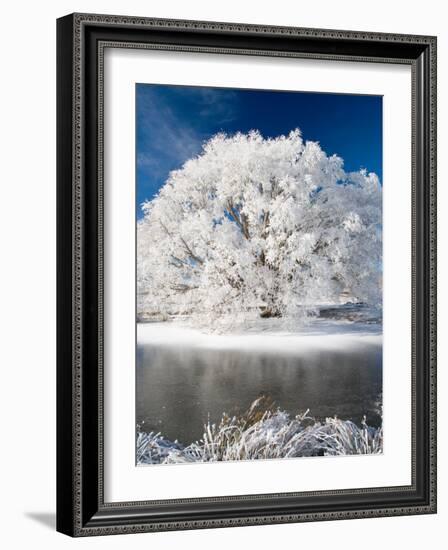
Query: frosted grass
pixel 264 432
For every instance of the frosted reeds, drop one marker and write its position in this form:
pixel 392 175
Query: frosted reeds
pixel 264 432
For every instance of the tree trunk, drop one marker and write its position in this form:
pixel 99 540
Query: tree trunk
pixel 270 312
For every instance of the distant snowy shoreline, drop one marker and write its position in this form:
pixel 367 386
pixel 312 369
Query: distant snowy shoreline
pixel 264 335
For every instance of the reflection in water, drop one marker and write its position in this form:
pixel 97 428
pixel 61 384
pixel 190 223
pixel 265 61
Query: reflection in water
pixel 179 389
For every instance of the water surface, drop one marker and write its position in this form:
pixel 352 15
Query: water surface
pixel 179 388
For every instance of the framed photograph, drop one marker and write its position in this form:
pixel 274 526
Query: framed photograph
pixel 246 274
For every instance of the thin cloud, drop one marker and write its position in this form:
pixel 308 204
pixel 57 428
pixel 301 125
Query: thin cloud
pixel 173 123
pixel 165 139
pixel 214 105
pixel 217 104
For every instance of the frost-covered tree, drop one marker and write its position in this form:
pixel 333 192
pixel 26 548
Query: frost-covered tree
pixel 265 227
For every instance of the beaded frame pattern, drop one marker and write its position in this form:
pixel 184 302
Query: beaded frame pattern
pixel 79 21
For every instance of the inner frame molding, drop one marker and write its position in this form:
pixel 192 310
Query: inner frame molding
pixel 82 39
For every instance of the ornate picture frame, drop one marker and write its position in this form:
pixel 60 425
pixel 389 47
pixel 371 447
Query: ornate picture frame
pixel 81 43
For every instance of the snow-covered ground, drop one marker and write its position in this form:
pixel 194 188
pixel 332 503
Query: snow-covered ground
pixel 265 335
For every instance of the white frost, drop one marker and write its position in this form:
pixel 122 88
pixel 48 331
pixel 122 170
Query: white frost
pixel 270 434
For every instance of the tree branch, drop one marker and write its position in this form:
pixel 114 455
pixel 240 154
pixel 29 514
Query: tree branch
pixel 240 220
pixel 190 252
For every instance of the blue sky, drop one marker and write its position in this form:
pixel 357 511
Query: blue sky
pixel 174 121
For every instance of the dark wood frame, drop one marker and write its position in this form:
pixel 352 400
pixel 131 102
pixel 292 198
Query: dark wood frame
pixel 81 39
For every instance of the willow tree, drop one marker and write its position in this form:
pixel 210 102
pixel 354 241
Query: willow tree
pixel 260 227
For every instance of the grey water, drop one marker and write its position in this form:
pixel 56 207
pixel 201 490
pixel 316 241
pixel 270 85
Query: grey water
pixel 178 389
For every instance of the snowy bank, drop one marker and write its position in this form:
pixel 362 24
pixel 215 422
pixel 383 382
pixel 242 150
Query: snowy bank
pixel 263 435
pixel 266 335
